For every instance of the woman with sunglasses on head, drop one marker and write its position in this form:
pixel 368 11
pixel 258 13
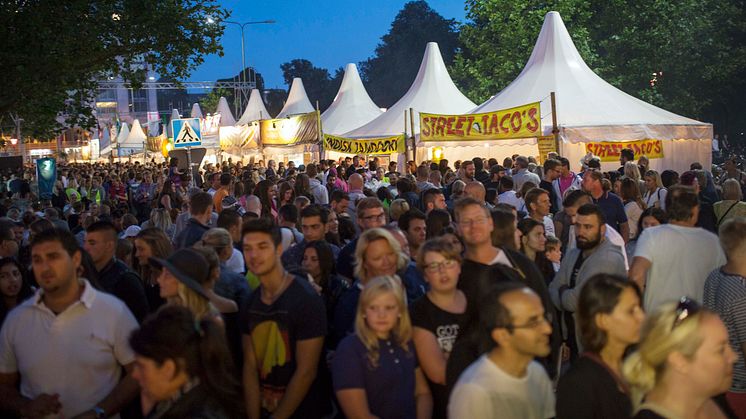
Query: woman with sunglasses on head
pixel 437 318
pixel 609 320
pixel 375 370
pixel 684 360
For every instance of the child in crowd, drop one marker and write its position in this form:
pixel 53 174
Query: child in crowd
pixel 554 252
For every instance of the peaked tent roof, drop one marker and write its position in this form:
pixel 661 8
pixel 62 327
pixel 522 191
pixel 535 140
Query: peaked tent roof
pixel 432 91
pixel 255 109
pixel 583 98
pixel 352 107
pixel 196 111
pixel 136 136
pixel 226 116
pixel 297 102
pixel 124 132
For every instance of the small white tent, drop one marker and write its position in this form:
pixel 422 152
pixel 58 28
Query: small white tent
pixel 136 137
pixel 124 132
pixel 432 91
pixel 352 107
pixel 226 116
pixel 174 115
pixel 590 109
pixel 196 111
pixel 297 102
pixel 255 109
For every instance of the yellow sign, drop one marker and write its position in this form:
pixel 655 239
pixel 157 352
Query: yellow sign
pixel 609 151
pixel 546 145
pixel 300 129
pixel 386 145
pixel 519 122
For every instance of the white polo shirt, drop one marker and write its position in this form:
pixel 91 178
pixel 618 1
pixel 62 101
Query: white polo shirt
pixel 77 354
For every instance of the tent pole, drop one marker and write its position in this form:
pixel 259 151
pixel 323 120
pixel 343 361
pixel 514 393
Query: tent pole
pixel 406 148
pixel 321 132
pixel 555 129
pixel 414 143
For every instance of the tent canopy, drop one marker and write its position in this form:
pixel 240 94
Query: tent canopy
pixel 196 111
pixel 226 116
pixel 136 136
pixel 124 132
pixel 297 102
pixel 432 91
pixel 583 98
pixel 352 107
pixel 255 109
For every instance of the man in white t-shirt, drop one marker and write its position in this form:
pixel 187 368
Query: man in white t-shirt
pixel 506 382
pixel 673 260
pixel 539 205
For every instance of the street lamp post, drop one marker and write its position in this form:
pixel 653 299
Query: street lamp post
pixel 242 75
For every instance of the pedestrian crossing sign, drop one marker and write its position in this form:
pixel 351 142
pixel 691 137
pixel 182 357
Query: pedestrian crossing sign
pixel 186 132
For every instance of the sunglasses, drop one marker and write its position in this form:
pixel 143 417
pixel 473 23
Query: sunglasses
pixel 685 309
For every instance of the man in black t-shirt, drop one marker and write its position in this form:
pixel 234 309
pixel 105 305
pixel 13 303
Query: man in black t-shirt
pixel 283 327
pixel 551 173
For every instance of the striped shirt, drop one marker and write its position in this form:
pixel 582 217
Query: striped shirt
pixel 725 295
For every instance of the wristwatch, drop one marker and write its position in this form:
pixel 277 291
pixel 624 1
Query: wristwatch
pixel 100 413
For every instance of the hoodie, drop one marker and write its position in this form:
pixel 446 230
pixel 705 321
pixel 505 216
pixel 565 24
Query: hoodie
pixel 320 195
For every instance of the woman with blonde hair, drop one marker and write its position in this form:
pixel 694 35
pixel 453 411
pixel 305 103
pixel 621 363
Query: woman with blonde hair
pixel 375 371
pixel 683 360
pixel 731 206
pixel 632 171
pixel 655 193
pixel 633 203
pixel 396 209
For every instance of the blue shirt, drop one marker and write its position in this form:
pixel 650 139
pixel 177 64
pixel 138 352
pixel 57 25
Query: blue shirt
pixel 389 386
pixel 613 209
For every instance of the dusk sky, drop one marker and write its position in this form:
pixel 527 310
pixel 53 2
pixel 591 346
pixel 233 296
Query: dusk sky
pixel 328 33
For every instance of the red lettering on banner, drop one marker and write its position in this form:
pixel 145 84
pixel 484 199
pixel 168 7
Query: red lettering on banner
pixel 449 126
pixel 503 120
pixel 658 148
pixel 426 126
pixel 516 116
pixel 533 123
pixel 470 123
pixel 459 124
pixel 493 125
pixel 441 126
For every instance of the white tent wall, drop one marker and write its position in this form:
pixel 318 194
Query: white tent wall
pixel 297 102
pixel 352 106
pixel 255 109
pixel 467 150
pixel 196 111
pixel 226 116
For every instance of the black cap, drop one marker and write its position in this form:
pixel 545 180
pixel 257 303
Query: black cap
pixel 188 266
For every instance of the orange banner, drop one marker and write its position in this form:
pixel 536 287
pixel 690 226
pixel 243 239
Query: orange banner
pixel 609 151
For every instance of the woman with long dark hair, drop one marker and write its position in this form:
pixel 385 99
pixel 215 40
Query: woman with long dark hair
pixel 184 368
pixel 609 318
pixel 533 245
pixel 302 187
pixel 318 262
pixel 151 242
pixel 14 286
pixel 286 195
pixel 266 190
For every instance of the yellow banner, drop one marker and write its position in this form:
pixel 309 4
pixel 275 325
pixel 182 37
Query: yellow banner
pixel 386 145
pixel 609 151
pixel 519 122
pixel 547 145
pixel 300 129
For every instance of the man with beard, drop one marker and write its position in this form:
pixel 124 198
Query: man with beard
pixel 594 255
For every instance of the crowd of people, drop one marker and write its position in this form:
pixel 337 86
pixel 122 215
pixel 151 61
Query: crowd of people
pixel 357 288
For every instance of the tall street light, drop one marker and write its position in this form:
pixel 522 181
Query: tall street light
pixel 242 76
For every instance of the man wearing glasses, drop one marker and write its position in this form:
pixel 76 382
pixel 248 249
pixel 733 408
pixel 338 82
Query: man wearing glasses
pixel 506 381
pixel 370 214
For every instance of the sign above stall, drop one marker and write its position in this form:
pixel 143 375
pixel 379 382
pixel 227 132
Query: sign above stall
pixel 387 145
pixel 519 122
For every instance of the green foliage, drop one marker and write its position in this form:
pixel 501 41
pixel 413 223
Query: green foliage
pixel 54 51
pixel 391 71
pixel 209 103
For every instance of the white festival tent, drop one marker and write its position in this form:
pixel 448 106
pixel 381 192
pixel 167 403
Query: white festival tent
pixel 351 108
pixel 135 139
pixel 196 111
pixel 297 102
pixel 233 139
pixel 432 91
pixel 226 116
pixel 255 109
pixel 174 115
pixel 590 109
pixel 124 132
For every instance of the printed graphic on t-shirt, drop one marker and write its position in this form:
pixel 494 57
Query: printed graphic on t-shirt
pixel 272 349
pixel 446 335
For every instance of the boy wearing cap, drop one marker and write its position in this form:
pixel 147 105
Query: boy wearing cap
pixel 283 326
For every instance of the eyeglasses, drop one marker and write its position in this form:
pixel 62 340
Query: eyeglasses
pixel 437 266
pixel 685 309
pixel 476 221
pixel 531 324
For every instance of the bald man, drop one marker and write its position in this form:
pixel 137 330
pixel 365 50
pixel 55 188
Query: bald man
pixel 475 190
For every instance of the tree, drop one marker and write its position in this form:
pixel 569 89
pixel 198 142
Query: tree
pixel 209 103
pixel 53 52
pixel 390 72
pixel 315 80
pixel 500 36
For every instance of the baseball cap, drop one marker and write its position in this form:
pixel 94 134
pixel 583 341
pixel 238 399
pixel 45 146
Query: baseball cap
pixel 131 231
